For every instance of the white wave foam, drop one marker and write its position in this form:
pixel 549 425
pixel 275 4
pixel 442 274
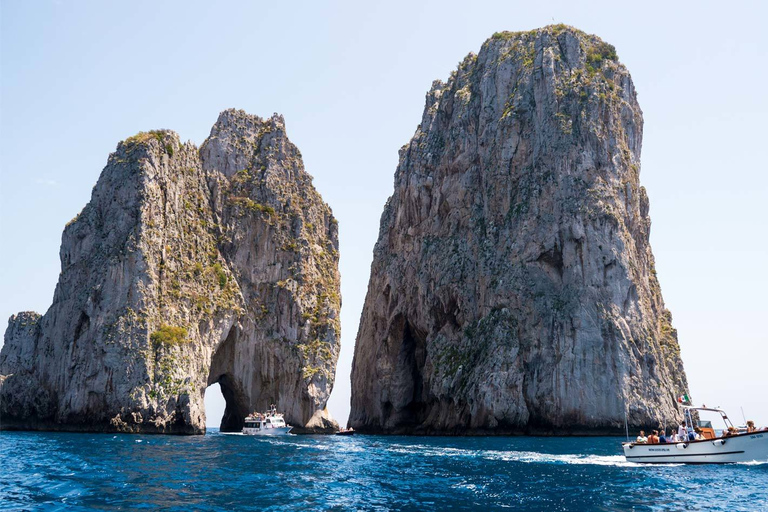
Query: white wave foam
pixel 519 456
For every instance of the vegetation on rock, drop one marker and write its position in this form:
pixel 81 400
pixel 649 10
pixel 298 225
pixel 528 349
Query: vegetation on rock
pixel 169 335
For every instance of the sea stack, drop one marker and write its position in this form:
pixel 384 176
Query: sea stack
pixel 187 267
pixel 513 287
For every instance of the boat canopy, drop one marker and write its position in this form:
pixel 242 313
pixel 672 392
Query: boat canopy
pixel 704 408
pixel 688 410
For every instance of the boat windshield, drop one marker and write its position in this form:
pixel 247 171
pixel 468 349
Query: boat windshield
pixel 711 420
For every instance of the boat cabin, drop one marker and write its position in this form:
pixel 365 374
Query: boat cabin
pixel 274 421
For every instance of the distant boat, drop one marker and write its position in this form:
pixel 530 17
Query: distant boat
pixel 733 445
pixel 345 432
pixel 270 423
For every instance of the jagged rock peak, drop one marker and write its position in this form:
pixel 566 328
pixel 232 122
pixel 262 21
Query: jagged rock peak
pixel 236 132
pixel 22 330
pixel 513 285
pixel 186 268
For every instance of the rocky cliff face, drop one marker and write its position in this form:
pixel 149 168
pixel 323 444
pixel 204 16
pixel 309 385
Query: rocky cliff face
pixel 513 286
pixel 188 267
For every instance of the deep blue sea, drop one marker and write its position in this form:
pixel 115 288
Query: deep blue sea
pixel 63 471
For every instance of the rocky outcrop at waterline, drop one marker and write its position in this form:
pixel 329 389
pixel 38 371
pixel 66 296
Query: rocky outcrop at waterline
pixel 187 267
pixel 513 285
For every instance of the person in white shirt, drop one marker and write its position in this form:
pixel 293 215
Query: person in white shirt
pixel 641 438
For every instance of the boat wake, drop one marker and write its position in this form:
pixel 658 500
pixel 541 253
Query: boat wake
pixel 521 456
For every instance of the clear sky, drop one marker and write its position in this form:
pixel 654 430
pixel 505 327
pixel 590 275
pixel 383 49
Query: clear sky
pixel 350 79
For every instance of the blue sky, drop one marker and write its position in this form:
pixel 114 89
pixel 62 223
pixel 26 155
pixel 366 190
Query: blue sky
pixel 350 79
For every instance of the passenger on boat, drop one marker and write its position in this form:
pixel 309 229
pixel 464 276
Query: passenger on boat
pixel 654 437
pixel 663 439
pixel 681 433
pixel 751 426
pixel 641 438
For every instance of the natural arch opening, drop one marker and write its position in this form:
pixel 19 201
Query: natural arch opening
pixel 236 408
pixel 214 406
pixel 234 398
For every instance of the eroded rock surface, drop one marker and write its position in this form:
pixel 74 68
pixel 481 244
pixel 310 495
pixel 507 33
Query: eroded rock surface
pixel 187 267
pixel 513 285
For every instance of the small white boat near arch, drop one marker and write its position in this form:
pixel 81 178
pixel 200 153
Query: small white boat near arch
pixel 270 423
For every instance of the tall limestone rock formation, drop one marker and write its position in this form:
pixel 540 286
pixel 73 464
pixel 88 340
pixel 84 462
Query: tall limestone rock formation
pixel 513 286
pixel 188 267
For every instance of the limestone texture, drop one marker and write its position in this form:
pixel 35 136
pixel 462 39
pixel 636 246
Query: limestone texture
pixel 513 287
pixel 187 267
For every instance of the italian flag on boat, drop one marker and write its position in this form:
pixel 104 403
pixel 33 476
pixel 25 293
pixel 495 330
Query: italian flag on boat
pixel 684 399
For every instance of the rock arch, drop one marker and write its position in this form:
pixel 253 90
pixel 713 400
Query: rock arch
pixel 187 267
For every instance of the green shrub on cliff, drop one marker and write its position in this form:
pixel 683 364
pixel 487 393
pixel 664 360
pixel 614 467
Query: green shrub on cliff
pixel 169 335
pixel 249 204
pixel 220 275
pixel 145 136
pixel 599 52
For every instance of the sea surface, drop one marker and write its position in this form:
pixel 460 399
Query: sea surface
pixel 64 471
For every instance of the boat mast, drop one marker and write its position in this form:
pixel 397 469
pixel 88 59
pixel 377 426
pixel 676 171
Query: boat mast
pixel 626 424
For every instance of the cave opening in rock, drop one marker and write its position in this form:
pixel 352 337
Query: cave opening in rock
pixel 411 359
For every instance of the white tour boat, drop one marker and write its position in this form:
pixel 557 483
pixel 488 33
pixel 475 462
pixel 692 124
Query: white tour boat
pixel 710 448
pixel 270 423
